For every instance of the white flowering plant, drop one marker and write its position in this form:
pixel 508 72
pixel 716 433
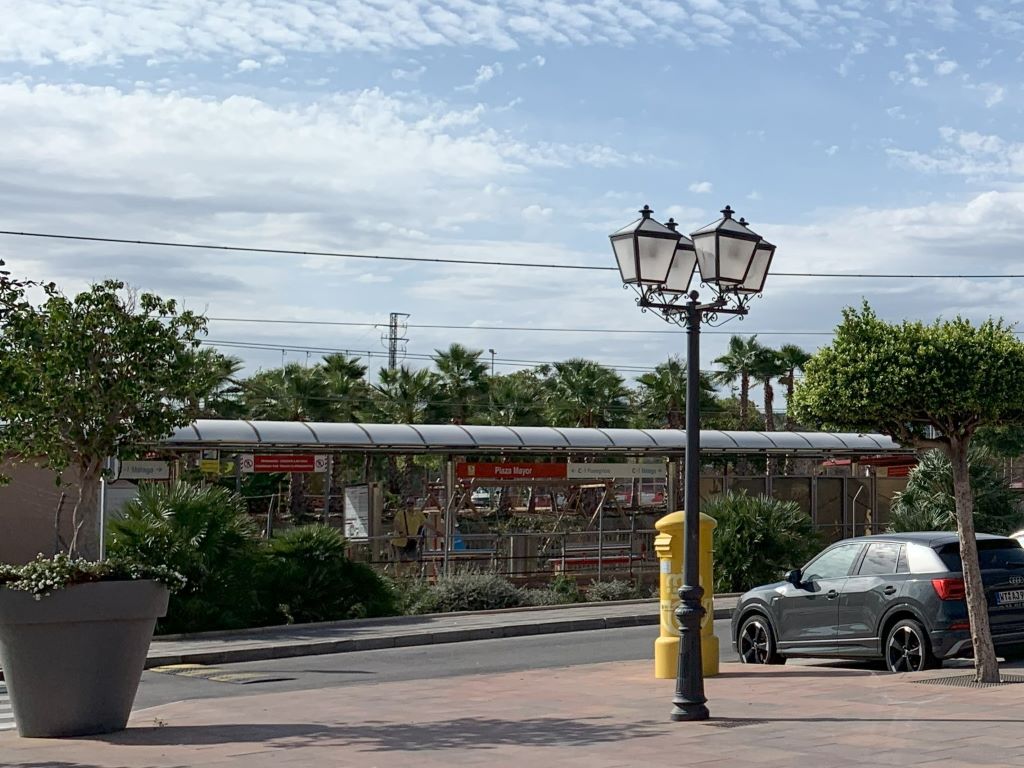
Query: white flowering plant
pixel 44 575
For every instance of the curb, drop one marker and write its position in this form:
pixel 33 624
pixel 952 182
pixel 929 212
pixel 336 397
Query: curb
pixel 405 640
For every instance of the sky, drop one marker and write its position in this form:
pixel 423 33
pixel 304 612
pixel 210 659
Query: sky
pixel 859 137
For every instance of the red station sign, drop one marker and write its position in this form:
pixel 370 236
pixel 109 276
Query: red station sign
pixel 510 471
pixel 283 462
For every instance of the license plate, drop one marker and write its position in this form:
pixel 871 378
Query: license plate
pixel 1010 596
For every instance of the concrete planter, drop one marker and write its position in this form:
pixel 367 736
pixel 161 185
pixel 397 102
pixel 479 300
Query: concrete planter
pixel 73 660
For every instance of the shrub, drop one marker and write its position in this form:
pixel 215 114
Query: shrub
pixel 927 503
pixel 473 592
pixel 203 534
pixel 758 539
pixel 411 596
pixel 566 587
pixel 307 576
pixel 600 591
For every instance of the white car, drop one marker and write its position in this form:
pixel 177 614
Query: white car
pixel 480 497
pixel 1019 536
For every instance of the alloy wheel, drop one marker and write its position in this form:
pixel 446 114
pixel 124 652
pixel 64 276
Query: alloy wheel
pixel 905 651
pixel 755 643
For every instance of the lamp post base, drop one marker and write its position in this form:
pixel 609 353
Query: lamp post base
pixel 689 711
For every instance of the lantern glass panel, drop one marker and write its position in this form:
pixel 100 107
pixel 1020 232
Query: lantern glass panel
pixel 625 254
pixel 681 272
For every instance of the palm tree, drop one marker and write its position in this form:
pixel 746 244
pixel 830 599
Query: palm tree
pixel 462 381
pixel 737 364
pixel 219 386
pixel 793 358
pixel 662 395
pixel 292 393
pixel 515 399
pixel 405 396
pixel 582 393
pixel 768 366
pixel 346 380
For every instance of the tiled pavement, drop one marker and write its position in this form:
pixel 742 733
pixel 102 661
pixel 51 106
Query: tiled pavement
pixel 598 716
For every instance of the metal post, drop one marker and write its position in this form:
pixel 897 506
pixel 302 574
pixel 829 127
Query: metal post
pixel 689 699
pixel 328 488
pixel 600 541
pixel 449 515
pixel 103 510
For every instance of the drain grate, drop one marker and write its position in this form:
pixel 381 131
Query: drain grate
pixel 203 672
pixel 968 681
pixel 733 722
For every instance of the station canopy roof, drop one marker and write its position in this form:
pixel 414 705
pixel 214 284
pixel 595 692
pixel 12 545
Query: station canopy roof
pixel 268 436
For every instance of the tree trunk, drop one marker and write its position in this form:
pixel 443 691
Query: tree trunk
pixel 771 463
pixel 985 664
pixel 744 399
pixel 84 516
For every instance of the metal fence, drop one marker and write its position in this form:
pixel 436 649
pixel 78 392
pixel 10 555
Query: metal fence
pixel 526 557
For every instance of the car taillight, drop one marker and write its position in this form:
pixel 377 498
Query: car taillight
pixel 949 589
pixel 960 625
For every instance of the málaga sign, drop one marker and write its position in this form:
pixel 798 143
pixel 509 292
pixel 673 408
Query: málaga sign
pixel 283 462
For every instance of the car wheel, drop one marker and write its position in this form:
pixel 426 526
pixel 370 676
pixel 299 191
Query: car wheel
pixel 907 648
pixel 756 642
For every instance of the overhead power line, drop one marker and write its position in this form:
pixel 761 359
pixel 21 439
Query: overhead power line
pixel 369 353
pixel 516 328
pixel 471 262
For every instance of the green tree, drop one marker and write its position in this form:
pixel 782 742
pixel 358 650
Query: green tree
pixel 462 381
pixel 661 395
pixel 582 393
pixel 347 386
pixel 515 399
pixel 931 385
pixel 405 396
pixel 220 385
pixel 91 377
pixel 768 366
pixel 928 503
pixel 738 364
pixel 793 359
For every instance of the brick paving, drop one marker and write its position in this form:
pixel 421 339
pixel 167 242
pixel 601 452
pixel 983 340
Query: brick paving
pixel 598 716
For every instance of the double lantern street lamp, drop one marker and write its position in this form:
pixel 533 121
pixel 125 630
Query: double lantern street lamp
pixel 659 263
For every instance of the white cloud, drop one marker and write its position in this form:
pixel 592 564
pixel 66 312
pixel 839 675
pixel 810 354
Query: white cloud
pixel 701 187
pixel 484 74
pixel 946 67
pixel 102 32
pixel 537 61
pixel 412 74
pixel 830 151
pixel 967 153
pixel 248 65
pixel 896 112
pixel 537 213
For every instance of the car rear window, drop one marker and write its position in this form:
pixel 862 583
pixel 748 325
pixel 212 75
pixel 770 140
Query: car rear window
pixel 991 554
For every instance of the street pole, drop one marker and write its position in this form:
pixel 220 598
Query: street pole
pixel 689 700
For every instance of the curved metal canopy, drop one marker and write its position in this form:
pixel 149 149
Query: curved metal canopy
pixel 453 438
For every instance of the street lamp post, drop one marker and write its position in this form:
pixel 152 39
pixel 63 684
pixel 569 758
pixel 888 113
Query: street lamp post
pixel 659 263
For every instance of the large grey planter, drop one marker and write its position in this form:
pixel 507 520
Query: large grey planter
pixel 73 659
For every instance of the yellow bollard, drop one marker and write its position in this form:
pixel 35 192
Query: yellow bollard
pixel 669 546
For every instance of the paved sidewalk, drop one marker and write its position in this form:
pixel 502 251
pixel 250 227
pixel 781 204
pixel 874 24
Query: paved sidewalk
pixel 372 634
pixel 597 716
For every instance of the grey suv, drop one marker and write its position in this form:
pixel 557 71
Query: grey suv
pixel 897 597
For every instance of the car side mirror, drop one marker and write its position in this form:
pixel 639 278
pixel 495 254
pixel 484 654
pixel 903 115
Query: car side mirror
pixel 795 577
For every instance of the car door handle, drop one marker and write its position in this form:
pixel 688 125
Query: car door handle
pixel 832 594
pixel 890 590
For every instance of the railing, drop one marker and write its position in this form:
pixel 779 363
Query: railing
pixel 615 554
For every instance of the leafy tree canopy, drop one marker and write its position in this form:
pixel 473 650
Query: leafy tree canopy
pixel 902 378
pixel 85 377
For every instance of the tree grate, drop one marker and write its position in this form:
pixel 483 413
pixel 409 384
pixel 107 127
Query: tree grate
pixel 733 722
pixel 968 681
